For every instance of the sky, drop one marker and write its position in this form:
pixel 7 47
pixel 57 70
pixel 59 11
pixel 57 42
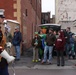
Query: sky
pixel 48 6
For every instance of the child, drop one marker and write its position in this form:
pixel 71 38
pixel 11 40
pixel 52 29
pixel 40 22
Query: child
pixel 36 43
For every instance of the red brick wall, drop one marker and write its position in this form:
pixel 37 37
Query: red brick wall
pixel 29 21
pixel 7 5
pixel 37 7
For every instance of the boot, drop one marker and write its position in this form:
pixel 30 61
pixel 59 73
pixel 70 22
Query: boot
pixel 5 55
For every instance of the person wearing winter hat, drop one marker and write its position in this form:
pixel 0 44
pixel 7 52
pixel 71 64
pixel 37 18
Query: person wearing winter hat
pixel 36 43
pixel 5 58
pixel 3 52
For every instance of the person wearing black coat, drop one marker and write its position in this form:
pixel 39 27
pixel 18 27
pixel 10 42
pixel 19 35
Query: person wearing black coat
pixel 17 38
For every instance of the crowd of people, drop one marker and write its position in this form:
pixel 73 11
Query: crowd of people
pixel 43 46
pixel 62 41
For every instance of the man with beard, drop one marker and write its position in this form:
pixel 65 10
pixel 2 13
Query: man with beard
pixel 49 41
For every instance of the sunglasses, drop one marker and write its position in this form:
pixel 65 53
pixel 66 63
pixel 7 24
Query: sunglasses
pixel 15 29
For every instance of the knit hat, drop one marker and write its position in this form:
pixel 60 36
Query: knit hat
pixel 36 33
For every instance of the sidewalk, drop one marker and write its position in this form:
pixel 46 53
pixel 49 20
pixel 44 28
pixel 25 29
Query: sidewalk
pixel 26 62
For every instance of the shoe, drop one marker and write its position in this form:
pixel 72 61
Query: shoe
pixel 43 62
pixel 62 65
pixel 17 59
pixel 58 64
pixel 33 60
pixel 36 60
pixel 39 59
pixel 73 57
pixel 49 63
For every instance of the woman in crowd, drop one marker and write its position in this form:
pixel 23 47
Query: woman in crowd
pixel 60 42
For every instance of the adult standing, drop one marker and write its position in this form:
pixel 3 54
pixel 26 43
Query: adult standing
pixel 41 50
pixel 49 41
pixel 17 38
pixel 67 38
pixel 3 62
pixel 60 42
pixel 4 56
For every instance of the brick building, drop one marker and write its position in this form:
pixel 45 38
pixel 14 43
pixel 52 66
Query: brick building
pixel 27 13
pixel 45 17
pixel 52 20
pixel 31 17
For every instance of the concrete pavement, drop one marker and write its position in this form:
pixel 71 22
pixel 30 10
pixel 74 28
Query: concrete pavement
pixel 26 63
pixel 26 67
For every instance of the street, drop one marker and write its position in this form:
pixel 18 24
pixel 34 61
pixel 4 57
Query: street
pixel 44 72
pixel 26 67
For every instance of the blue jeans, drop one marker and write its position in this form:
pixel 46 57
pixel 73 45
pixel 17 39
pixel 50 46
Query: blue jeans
pixel 72 51
pixel 17 49
pixel 4 71
pixel 67 48
pixel 50 49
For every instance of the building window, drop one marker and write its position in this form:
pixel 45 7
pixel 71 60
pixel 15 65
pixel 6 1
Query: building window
pixel 26 12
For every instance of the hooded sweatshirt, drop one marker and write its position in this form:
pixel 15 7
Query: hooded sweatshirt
pixel 60 41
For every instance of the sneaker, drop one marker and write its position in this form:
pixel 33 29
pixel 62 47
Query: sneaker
pixel 36 60
pixel 58 64
pixel 62 65
pixel 17 59
pixel 43 62
pixel 33 60
pixel 39 59
pixel 49 63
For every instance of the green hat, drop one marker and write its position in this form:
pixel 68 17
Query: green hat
pixel 36 32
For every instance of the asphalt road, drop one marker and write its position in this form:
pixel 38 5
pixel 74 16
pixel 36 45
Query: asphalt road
pixel 43 72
